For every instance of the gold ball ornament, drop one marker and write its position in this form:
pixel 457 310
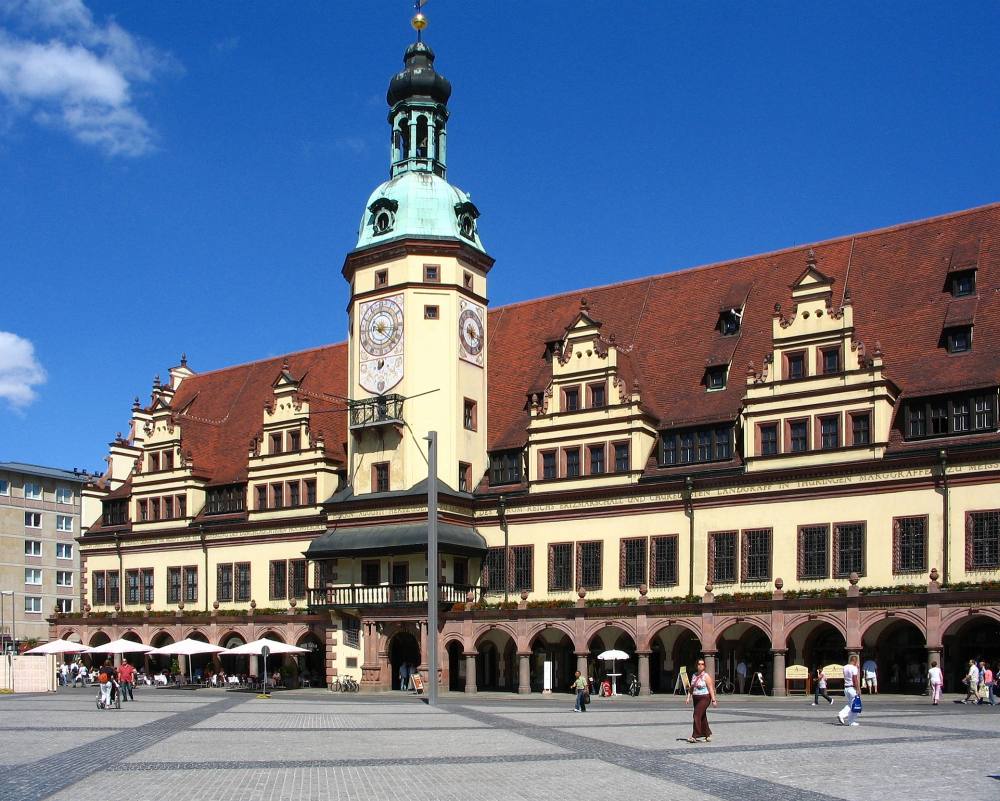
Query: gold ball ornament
pixel 419 22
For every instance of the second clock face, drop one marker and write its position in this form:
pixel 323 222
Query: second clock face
pixel 471 332
pixel 381 327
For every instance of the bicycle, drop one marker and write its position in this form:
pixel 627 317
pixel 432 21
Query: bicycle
pixel 724 685
pixel 349 685
pixel 633 687
pixel 334 685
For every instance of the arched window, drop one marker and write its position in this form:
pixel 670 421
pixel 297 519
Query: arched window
pixel 422 137
pixel 403 139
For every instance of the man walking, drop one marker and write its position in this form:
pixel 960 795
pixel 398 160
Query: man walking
pixel 741 675
pixel 971 682
pixel 852 688
pixel 871 675
pixel 126 677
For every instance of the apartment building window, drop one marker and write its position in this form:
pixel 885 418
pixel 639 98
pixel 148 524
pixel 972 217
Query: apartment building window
pixel 831 361
pixel 32 604
pixel 277 496
pixel 275 448
pixel 722 557
pixel 560 566
pixel 663 561
pixel 849 549
pixel 64 606
pixel 598 395
pixel 798 435
pixel 115 512
pixel 32 519
pixel 173 585
pixel 909 545
pixel 32 491
pixel 64 578
pixel 224 582
pixel 571 399
pixel 572 462
pixel 469 415
pixel 310 492
pixel 829 430
pixel 622 464
pixel 549 465
pixel 63 495
pixel 4 486
pixel 686 447
pixel 242 581
pixel 768 439
pixel 464 477
pixel 596 456
pixel 813 555
pixel 505 467
pixel 589 564
pixel 293 493
pixel 371 572
pixel 380 476
pixel 756 554
pixel 278 580
pixel 984 407
pixel 99 592
pixel 131 586
pixel 494 570
pixel 148 585
pixel 32 575
pixel 190 585
pixel 982 550
pixel 523 567
pixel 294 441
pixel 961 416
pixel 32 548
pixel 64 550
pixel 632 562
pixel 861 424
pixel 297 568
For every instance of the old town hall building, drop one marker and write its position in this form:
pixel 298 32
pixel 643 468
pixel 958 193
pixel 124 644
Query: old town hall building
pixel 782 459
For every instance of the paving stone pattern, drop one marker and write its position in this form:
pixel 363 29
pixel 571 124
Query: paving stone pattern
pixel 217 746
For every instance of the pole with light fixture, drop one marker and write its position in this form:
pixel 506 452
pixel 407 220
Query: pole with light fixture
pixel 433 569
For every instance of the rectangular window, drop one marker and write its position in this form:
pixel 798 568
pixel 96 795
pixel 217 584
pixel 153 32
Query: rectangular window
pixel 310 492
pixel 959 340
pixel 795 366
pixel 589 564
pixel 571 399
pixel 224 582
pixel 632 564
pixel 297 568
pixel 242 581
pixel 380 476
pixel 723 443
pixel 798 436
pixel 598 396
pixel 916 421
pixel 153 461
pixel 813 557
pixel 831 361
pixel 32 548
pixel 596 456
pixel 963 283
pixel 148 583
pixel 181 506
pixel 909 544
pixel 64 605
pixel 190 585
pixel 757 554
pixel 114 586
pixel 494 570
pixel 469 416
pixel 467 280
pixel 985 412
pixel 381 278
pixel 522 572
pixel 715 377
pixel 622 461
pixel 722 557
pixel 32 490
pixel 560 567
pixel 294 441
pixel 961 416
pixel 131 586
pixel 275 448
pixel 168 508
pixel 464 477
pixel 261 490
pixel 687 447
pixel 64 578
pixel 154 508
pixel 938 417
pixel 277 496
pixel 4 486
pixel 983 540
pixel 861 425
pixel 99 591
pixel 32 575
pixel 32 604
pixel 829 432
pixel 167 460
pixel 849 549
pixel 63 495
pixel 371 572
pixel 278 583
pixel 460 571
pixel 64 550
pixel 294 498
pixel 432 312
pixel 704 446
pixel 505 467
pixel 572 462
pixel 663 561
pixel 33 519
pixel 768 439
pixel 173 585
pixel 143 507
pixel 432 273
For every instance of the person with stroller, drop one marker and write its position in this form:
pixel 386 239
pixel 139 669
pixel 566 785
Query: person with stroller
pixel 107 680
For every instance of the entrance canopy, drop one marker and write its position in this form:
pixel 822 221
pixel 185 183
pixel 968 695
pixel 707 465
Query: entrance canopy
pixel 351 541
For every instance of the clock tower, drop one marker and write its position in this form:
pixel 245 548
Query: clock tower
pixel 418 338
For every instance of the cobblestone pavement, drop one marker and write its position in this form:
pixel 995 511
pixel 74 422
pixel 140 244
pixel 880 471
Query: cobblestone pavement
pixel 308 744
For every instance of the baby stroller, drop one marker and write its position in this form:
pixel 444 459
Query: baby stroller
pixel 115 701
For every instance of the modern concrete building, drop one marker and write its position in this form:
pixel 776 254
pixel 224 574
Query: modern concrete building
pixel 782 459
pixel 39 558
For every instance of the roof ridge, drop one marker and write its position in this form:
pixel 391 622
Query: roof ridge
pixel 253 362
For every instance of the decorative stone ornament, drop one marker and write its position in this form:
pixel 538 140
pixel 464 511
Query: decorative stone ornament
pixel 779 583
pixel 643 590
pixel 853 578
pixel 253 604
pixel 215 604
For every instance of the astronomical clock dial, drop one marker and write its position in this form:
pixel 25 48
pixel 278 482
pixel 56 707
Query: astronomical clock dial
pixel 381 336
pixel 471 332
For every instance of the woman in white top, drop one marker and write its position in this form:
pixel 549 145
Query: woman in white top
pixel 852 686
pixel 936 679
pixel 702 690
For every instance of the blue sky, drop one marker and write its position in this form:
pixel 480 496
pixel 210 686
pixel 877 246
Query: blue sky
pixel 187 176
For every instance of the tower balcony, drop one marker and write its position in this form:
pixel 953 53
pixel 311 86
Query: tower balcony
pixel 389 595
pixel 382 410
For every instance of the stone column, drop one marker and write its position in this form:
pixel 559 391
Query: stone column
pixel 644 688
pixel 778 677
pixel 581 663
pixel 470 674
pixel 523 674
pixel 712 662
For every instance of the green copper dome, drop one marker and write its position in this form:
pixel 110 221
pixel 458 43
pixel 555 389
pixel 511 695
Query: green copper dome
pixel 418 204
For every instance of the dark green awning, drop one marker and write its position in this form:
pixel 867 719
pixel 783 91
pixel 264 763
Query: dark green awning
pixel 349 541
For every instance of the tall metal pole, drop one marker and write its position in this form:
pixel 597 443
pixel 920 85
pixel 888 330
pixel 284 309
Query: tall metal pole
pixel 433 569
pixel 502 513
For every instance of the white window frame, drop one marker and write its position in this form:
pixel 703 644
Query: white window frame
pixel 33 496
pixel 32 601
pixel 64 495
pixel 64 574
pixel 33 542
pixel 32 516
pixel 64 518
pixel 65 547
pixel 4 486
pixel 65 605
pixel 35 572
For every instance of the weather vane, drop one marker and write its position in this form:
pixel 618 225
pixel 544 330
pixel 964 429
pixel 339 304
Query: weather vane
pixel 419 21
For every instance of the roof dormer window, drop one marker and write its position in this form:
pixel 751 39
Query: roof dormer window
pixel 963 283
pixel 958 339
pixel 715 377
pixel 729 322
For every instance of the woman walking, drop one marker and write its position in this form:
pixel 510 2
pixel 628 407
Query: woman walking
pixel 820 687
pixel 936 680
pixel 703 692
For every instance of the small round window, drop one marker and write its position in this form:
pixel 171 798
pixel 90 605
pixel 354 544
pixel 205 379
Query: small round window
pixel 467 226
pixel 382 222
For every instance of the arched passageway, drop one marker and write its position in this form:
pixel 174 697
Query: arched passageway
pixel 234 665
pixel 607 639
pixel 816 643
pixel 456 666
pixel 555 648
pixel 159 663
pixel 496 662
pixel 311 665
pixel 974 637
pixel 900 653
pixel 672 647
pixel 750 645
pixel 403 649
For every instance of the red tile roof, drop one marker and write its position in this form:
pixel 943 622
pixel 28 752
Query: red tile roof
pixel 896 278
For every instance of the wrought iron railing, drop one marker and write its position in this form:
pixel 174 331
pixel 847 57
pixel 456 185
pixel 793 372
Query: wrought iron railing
pixel 389 595
pixel 380 410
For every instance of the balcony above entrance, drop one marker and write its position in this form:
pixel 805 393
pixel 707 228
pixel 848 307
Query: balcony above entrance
pixel 388 595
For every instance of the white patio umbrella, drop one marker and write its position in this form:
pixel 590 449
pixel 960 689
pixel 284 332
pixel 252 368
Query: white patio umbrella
pixel 119 647
pixel 256 648
pixel 613 656
pixel 187 648
pixel 58 647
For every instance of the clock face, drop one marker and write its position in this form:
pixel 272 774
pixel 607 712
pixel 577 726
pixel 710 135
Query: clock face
pixel 471 333
pixel 381 327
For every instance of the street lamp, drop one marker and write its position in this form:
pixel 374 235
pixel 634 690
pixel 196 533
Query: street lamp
pixel 502 514
pixel 13 618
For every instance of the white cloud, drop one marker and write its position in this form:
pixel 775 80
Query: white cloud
pixel 20 371
pixel 81 77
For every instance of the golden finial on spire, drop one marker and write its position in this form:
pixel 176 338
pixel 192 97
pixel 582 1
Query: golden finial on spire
pixel 419 21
